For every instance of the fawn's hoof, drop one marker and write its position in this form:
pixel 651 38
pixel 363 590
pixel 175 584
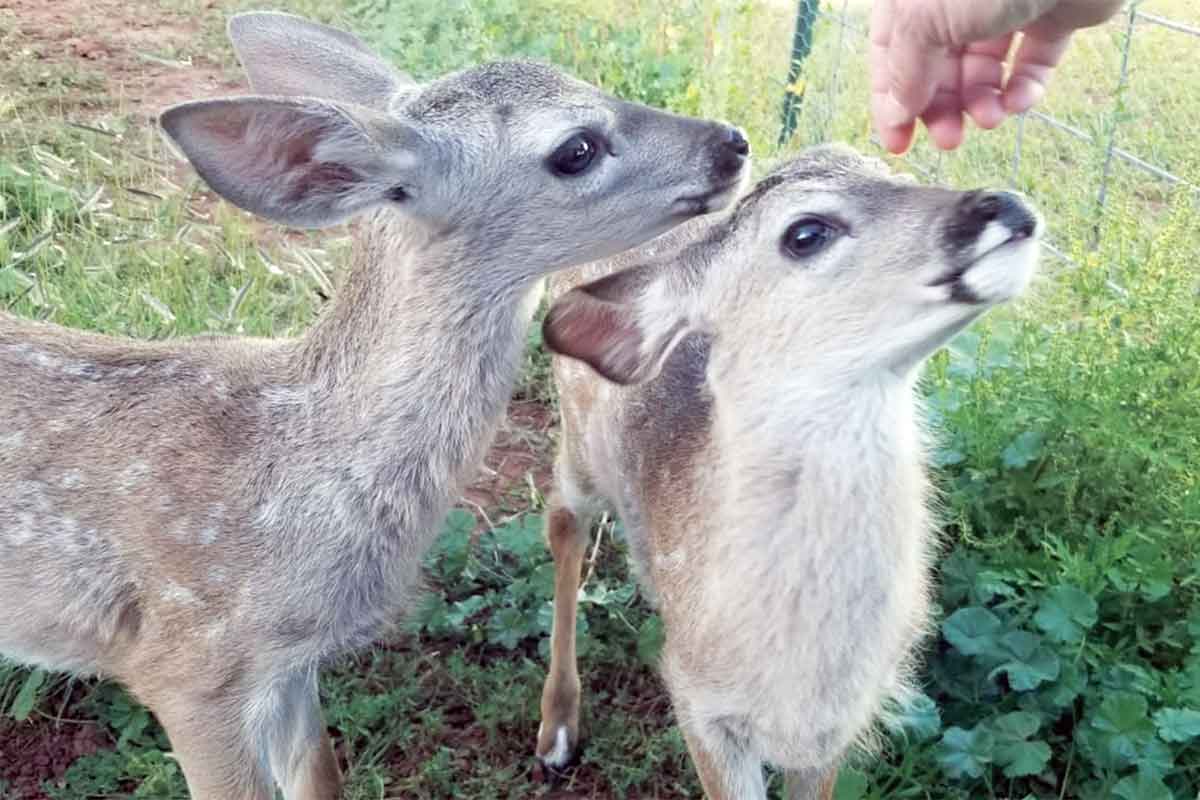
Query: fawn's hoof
pixel 556 753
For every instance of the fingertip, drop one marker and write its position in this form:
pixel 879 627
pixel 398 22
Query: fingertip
pixel 894 136
pixel 893 113
pixel 946 130
pixel 1022 94
pixel 985 107
pixel 897 140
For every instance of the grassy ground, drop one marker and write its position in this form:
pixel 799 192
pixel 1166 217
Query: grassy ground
pixel 1067 660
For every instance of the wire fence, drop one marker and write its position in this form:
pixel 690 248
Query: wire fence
pixel 826 88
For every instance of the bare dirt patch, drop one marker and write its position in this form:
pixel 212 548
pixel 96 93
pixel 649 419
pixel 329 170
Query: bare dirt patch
pixel 146 55
pixel 520 462
pixel 34 752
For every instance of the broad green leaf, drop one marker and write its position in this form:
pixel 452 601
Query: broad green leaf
pixel 459 522
pixel 965 753
pixel 508 626
pixel 919 718
pixel 1142 787
pixel 1122 712
pixel 958 573
pixel 463 610
pixel 1023 451
pixel 1193 626
pixel 851 784
pixel 1156 758
pixel 947 457
pixel 1031 663
pixel 1066 613
pixel 1015 726
pixel 452 550
pixel 650 639
pixel 1122 729
pixel 1072 681
pixel 522 537
pixel 1022 758
pixel 27 697
pixel 541 582
pixel 1130 678
pixel 1177 724
pixel 989 584
pixel 1157 580
pixel 1014 752
pixel 972 630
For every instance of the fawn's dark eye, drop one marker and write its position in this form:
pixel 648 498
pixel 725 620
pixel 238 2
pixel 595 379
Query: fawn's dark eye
pixel 575 155
pixel 808 236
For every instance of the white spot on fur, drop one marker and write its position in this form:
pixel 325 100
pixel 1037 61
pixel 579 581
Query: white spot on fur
pixel 218 575
pixel 216 630
pixel 182 530
pixel 174 593
pixel 45 360
pixel 672 560
pixel 561 752
pixel 212 529
pixel 132 477
pixel 72 479
pixel 12 441
pixel 22 531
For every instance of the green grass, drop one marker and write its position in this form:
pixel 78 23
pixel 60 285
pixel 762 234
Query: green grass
pixel 1067 657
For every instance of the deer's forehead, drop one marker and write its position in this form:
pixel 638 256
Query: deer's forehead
pixel 503 87
pixel 852 192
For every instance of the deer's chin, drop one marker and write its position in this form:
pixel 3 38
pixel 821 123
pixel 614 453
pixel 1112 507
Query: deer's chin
pixel 1000 274
pixel 718 198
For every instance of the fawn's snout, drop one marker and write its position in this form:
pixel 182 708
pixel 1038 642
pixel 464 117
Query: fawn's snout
pixel 1004 213
pixel 987 238
pixel 729 151
pixel 733 152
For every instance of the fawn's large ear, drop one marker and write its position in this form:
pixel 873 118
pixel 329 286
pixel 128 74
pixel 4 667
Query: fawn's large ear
pixel 299 161
pixel 291 56
pixel 622 325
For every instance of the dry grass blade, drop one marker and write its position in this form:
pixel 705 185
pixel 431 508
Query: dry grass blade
pixel 93 129
pixel 92 200
pixel 238 299
pixel 34 246
pixel 166 62
pixel 158 306
pixel 145 194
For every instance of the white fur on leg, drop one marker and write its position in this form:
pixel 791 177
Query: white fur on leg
pixel 560 754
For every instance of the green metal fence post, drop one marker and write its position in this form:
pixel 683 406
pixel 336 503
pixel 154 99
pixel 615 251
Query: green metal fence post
pixel 793 97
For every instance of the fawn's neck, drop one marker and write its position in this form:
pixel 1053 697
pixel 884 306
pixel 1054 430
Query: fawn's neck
pixel 846 463
pixel 413 367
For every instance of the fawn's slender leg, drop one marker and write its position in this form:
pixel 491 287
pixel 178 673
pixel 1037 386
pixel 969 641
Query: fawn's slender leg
pixel 210 742
pixel 239 743
pixel 814 784
pixel 726 770
pixel 298 747
pixel 558 734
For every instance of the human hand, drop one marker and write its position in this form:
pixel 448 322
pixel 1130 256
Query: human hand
pixel 935 60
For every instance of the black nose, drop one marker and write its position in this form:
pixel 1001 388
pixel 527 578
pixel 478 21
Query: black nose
pixel 737 142
pixel 980 208
pixel 732 153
